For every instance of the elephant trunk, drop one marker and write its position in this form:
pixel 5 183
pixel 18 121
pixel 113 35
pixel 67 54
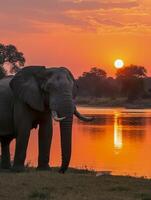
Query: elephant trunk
pixel 66 140
pixel 62 108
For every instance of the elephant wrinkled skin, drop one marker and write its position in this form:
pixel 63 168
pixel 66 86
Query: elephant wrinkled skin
pixel 33 97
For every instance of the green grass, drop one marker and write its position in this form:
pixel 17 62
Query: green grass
pixel 74 185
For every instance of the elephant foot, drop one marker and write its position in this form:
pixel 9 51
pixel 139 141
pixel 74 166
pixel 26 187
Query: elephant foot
pixel 18 169
pixel 62 170
pixel 44 168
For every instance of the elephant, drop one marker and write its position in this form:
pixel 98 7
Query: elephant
pixel 33 97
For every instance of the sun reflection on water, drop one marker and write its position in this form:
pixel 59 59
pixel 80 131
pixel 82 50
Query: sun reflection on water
pixel 118 140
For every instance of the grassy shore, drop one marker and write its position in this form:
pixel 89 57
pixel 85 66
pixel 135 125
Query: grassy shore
pixel 113 102
pixel 74 185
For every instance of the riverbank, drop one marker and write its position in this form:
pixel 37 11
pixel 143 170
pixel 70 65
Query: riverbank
pixel 116 102
pixel 74 185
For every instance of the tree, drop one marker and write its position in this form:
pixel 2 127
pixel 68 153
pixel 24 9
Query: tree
pixel 95 72
pixel 132 71
pixel 91 83
pixel 111 88
pixel 10 54
pixel 131 80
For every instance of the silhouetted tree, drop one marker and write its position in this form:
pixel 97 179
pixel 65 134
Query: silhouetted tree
pixel 111 87
pixel 131 71
pixel 91 83
pixel 95 72
pixel 131 80
pixel 10 54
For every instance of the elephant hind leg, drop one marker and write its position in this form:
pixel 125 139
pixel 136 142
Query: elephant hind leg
pixel 5 153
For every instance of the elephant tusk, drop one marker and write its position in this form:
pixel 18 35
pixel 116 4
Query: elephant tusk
pixel 55 116
pixel 81 117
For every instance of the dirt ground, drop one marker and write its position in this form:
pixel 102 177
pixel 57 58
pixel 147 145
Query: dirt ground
pixel 37 185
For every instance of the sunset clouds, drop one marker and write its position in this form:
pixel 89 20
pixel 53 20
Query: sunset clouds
pixel 88 15
pixel 79 34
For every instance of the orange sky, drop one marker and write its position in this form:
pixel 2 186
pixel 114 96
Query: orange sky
pixel 79 34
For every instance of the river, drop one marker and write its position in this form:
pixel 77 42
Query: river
pixel 118 140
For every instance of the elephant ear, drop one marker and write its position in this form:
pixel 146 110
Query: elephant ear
pixel 25 86
pixel 75 86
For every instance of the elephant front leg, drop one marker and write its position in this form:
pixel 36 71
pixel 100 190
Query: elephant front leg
pixel 45 137
pixel 5 158
pixel 21 147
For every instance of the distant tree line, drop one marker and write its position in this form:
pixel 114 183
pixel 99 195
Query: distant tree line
pixel 129 83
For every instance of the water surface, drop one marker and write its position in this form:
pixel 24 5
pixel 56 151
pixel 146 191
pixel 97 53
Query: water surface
pixel 119 140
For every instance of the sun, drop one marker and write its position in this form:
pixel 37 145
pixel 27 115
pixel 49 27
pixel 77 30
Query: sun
pixel 119 64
